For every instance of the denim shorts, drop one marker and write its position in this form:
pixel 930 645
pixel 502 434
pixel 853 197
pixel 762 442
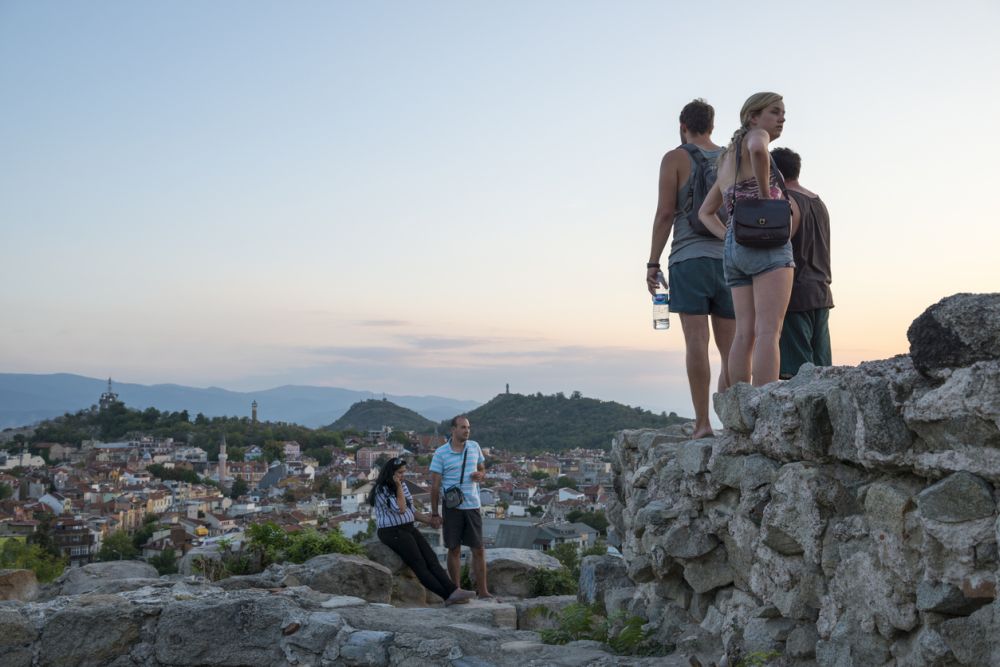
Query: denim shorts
pixel 742 264
pixel 697 287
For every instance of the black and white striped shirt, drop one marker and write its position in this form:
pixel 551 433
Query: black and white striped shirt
pixel 387 514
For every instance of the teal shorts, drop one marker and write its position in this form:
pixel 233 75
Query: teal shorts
pixel 805 337
pixel 698 287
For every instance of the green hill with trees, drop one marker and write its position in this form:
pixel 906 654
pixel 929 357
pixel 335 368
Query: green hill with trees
pixel 373 414
pixel 120 422
pixel 533 423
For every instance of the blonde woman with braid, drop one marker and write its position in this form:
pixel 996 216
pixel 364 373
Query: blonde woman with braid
pixel 760 278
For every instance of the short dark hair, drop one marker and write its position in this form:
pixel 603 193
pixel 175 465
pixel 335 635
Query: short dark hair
pixel 789 162
pixel 698 116
pixel 454 420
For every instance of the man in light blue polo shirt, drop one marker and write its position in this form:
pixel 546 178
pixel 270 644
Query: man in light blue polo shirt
pixel 462 524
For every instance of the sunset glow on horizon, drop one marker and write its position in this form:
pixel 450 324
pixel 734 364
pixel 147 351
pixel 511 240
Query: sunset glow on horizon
pixel 441 199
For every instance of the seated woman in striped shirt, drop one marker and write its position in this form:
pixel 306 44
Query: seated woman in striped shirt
pixel 394 517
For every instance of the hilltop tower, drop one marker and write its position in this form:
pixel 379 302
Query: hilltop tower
pixel 222 459
pixel 108 398
pixel 253 413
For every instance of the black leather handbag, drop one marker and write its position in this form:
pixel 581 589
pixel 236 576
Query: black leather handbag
pixel 453 496
pixel 761 223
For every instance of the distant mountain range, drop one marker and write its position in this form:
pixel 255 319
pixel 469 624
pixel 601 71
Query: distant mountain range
pixel 27 399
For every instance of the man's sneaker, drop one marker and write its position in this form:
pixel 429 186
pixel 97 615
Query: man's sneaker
pixel 459 596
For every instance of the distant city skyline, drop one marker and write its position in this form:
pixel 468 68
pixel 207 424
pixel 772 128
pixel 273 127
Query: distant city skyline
pixel 443 199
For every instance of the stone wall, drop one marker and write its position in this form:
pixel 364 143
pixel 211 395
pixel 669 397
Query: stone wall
pixel 845 517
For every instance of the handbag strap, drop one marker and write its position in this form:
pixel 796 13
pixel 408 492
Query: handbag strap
pixel 465 457
pixel 736 175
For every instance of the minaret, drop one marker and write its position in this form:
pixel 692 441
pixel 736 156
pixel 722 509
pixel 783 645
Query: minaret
pixel 253 413
pixel 222 460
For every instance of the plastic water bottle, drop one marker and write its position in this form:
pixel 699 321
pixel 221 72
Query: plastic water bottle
pixel 661 304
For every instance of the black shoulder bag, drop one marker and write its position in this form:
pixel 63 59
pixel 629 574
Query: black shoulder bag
pixel 453 496
pixel 761 223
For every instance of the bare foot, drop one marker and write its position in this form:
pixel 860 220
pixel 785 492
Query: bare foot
pixel 459 596
pixel 703 433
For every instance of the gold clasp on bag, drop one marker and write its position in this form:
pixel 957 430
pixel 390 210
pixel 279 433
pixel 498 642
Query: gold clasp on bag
pixel 761 221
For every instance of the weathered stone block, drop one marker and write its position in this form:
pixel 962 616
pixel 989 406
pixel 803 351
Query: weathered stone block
pixel 342 574
pixel 944 598
pixel 94 630
pixel 956 498
pixel 734 407
pixel 599 574
pixel 709 572
pixel 689 540
pixel 509 571
pixel 801 642
pixel 109 577
pixel 974 639
pixel 18 585
pixel 957 331
pixel 693 456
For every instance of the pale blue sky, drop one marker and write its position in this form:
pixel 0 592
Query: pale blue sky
pixel 442 197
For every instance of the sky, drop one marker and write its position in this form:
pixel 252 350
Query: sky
pixel 445 197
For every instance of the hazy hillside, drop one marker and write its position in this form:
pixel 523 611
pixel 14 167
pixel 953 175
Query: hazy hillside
pixel 26 399
pixel 536 422
pixel 374 414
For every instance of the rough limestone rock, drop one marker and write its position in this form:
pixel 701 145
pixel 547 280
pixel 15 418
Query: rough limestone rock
pixel 957 498
pixel 509 571
pixel 598 575
pixel 17 634
pixel 541 613
pixel 110 577
pixel 18 585
pixel 961 415
pixel 194 623
pixel 957 331
pixel 406 588
pixel 106 625
pixel 847 516
pixel 341 574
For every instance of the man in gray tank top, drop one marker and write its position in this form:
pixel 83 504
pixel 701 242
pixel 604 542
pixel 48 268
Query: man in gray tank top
pixel 698 291
pixel 805 335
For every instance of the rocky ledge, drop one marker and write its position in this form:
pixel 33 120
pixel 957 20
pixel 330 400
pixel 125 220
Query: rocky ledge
pixel 192 623
pixel 845 517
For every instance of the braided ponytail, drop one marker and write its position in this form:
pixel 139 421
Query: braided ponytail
pixel 754 105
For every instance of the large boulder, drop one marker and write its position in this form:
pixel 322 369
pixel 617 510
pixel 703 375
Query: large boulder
pixel 342 574
pixel 406 588
pixel 17 632
pixel 957 331
pixel 237 628
pixel 18 585
pixel 91 631
pixel 110 577
pixel 510 571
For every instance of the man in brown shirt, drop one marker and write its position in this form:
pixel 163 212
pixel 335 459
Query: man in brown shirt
pixel 805 335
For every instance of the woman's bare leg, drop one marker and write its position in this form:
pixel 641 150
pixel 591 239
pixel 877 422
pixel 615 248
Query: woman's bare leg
pixel 771 291
pixel 742 347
